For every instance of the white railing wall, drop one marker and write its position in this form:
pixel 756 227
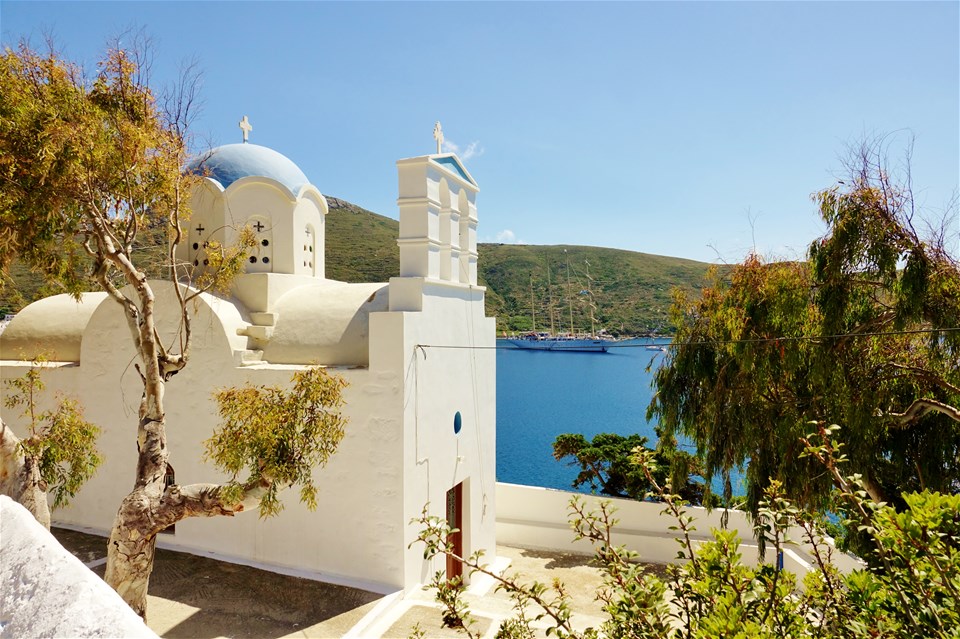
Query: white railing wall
pixel 534 517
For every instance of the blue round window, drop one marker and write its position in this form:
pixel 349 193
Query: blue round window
pixel 457 423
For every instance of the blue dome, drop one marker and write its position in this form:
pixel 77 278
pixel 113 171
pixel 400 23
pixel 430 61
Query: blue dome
pixel 228 163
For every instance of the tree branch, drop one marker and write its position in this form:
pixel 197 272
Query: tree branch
pixel 921 407
pixel 929 376
pixel 206 500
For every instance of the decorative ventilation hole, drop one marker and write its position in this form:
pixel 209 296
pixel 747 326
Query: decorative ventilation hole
pixel 195 246
pixel 265 242
pixel 266 260
pixel 253 259
pixel 196 262
pixel 457 423
pixel 304 247
pixel 311 249
pixel 206 262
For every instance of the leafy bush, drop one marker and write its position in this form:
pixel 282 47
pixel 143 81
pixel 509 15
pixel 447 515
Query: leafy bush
pixel 909 589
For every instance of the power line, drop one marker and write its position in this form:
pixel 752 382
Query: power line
pixel 748 340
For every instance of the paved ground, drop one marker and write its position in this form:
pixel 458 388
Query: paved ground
pixel 198 597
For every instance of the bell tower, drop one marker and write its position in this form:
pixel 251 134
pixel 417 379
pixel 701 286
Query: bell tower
pixel 438 219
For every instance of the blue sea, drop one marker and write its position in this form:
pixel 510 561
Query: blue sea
pixel 541 394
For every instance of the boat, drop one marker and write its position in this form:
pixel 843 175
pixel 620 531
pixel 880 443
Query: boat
pixel 543 341
pixel 564 342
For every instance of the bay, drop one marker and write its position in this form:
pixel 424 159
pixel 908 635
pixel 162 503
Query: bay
pixel 542 394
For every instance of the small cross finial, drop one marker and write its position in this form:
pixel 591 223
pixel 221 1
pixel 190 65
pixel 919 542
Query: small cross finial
pixel 438 136
pixel 246 127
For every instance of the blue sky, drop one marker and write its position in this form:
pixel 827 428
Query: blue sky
pixel 698 130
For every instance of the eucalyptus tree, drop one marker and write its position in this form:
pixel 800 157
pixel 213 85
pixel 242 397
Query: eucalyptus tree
pixel 88 168
pixel 863 334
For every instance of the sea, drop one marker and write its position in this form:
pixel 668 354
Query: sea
pixel 542 394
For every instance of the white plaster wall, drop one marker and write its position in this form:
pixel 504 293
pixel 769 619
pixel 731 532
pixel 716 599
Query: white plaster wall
pixel 537 517
pixel 437 384
pixel 307 213
pixel 207 206
pixel 355 535
pixel 223 213
pixel 265 198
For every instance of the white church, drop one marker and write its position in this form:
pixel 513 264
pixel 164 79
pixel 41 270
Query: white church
pixel 420 397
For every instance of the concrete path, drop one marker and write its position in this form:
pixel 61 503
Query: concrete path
pixel 199 597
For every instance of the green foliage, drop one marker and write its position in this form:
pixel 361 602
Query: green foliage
pixel 61 441
pixel 911 590
pixel 606 465
pixel 85 165
pixel 278 435
pixel 863 334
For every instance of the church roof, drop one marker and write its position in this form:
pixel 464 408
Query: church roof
pixel 228 163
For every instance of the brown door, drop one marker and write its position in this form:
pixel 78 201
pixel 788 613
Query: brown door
pixel 455 520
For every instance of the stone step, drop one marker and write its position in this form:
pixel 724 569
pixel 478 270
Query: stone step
pixel 250 357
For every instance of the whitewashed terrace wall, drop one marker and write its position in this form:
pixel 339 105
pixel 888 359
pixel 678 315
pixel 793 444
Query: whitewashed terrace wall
pixel 534 517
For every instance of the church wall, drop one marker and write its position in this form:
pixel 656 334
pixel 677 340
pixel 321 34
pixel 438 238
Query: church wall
pixel 308 246
pixel 356 534
pixel 266 209
pixel 206 222
pixel 348 537
pixel 438 384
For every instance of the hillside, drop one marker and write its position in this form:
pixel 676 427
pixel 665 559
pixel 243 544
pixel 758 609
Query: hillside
pixel 630 291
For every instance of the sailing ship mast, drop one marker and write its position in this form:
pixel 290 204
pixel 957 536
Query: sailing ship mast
pixel 593 321
pixel 553 330
pixel 533 306
pixel 569 296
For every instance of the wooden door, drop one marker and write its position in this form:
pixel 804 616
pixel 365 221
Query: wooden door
pixel 455 520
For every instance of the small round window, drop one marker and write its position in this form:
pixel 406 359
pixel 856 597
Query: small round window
pixel 457 423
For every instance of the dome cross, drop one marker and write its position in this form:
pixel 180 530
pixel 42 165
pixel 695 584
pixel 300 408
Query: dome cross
pixel 246 127
pixel 438 136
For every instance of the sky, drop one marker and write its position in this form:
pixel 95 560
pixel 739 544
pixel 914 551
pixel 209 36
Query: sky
pixel 697 130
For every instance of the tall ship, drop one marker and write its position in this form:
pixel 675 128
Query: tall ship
pixel 544 341
pixel 566 342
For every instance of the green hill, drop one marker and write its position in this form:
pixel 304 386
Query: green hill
pixel 361 245
pixel 630 291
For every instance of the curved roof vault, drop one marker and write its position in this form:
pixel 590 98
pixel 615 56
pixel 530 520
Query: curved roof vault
pixel 51 327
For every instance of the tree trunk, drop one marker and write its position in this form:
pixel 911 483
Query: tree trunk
pixel 20 477
pixel 151 507
pixel 133 538
pixel 144 513
pixel 131 551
